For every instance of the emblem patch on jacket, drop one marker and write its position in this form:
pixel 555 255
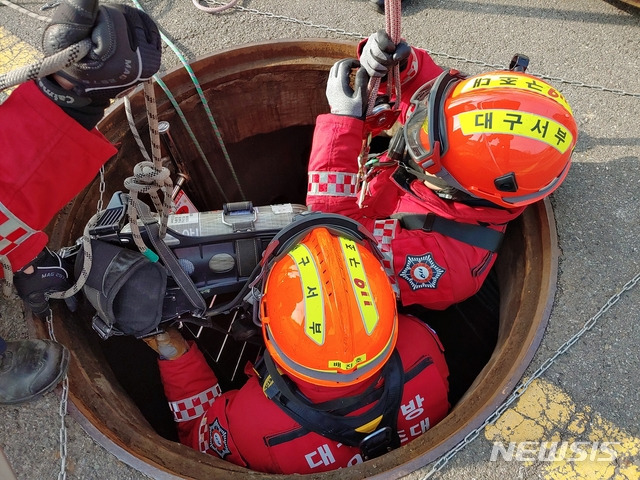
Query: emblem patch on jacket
pixel 421 271
pixel 218 439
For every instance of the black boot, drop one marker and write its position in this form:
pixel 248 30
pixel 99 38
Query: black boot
pixel 30 368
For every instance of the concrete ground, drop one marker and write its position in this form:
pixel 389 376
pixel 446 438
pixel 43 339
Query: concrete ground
pixel 590 393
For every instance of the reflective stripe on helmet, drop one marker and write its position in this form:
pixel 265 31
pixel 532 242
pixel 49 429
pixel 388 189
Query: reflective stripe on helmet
pixel 515 122
pixel 360 283
pixel 508 80
pixel 312 288
pixel 337 372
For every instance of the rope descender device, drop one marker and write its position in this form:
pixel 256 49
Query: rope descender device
pixel 380 115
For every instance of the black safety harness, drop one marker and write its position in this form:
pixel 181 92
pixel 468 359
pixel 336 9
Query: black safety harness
pixel 469 233
pixel 476 235
pixel 374 431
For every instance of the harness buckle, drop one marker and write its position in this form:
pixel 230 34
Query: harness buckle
pixel 377 443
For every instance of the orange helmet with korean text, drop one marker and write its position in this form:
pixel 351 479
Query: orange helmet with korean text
pixel 503 136
pixel 328 310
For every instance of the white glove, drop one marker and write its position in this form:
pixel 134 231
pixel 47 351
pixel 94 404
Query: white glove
pixel 343 99
pixel 380 53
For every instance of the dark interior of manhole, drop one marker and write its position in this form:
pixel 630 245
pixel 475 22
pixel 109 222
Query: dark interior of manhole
pixel 467 330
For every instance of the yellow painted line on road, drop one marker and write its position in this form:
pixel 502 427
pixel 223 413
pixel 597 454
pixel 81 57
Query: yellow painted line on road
pixel 15 53
pixel 545 425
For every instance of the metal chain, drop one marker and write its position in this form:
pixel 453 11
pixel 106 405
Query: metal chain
pixel 343 32
pixel 62 410
pixel 519 390
pixel 64 397
pixel 573 83
pixel 102 188
pixel 306 23
pixel 29 13
pixel 576 83
pixel 340 31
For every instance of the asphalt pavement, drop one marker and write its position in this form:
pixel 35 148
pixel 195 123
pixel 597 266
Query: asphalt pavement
pixel 590 392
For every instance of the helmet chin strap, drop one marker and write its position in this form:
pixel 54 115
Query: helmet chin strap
pixel 435 183
pixel 439 186
pixel 432 181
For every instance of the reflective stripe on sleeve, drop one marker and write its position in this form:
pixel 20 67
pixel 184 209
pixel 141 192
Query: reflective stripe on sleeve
pixel 337 184
pixel 13 231
pixel 384 231
pixel 195 406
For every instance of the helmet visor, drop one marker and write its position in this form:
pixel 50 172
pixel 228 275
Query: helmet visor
pixel 425 130
pixel 418 130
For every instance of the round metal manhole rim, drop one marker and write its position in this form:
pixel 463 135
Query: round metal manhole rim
pixel 537 222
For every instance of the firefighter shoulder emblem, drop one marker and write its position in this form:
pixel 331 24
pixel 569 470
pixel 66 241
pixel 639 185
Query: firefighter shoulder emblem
pixel 421 271
pixel 218 441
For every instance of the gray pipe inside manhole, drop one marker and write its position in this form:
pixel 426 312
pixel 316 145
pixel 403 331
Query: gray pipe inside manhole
pixel 265 99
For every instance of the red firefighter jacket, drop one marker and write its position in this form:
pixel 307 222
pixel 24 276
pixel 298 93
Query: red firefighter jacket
pixel 47 158
pixel 245 427
pixel 426 268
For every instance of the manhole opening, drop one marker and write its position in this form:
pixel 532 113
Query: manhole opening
pixel 467 330
pixel 489 339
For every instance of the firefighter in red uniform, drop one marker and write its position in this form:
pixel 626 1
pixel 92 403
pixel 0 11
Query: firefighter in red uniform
pixel 50 152
pixel 344 378
pixel 471 154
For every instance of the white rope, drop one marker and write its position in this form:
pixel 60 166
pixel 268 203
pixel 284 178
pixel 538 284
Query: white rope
pixel 46 66
pixel 214 9
pixel 150 177
pixel 7 281
pixel 393 15
pixel 392 18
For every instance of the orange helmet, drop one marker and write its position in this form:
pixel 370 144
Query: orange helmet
pixel 328 310
pixel 504 136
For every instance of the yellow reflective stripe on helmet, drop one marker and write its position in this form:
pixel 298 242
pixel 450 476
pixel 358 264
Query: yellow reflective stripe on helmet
pixel 518 82
pixel 312 291
pixel 360 283
pixel 514 122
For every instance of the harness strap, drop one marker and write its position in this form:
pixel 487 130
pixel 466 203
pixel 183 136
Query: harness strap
pixel 471 234
pixel 280 438
pixel 170 261
pixel 349 430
